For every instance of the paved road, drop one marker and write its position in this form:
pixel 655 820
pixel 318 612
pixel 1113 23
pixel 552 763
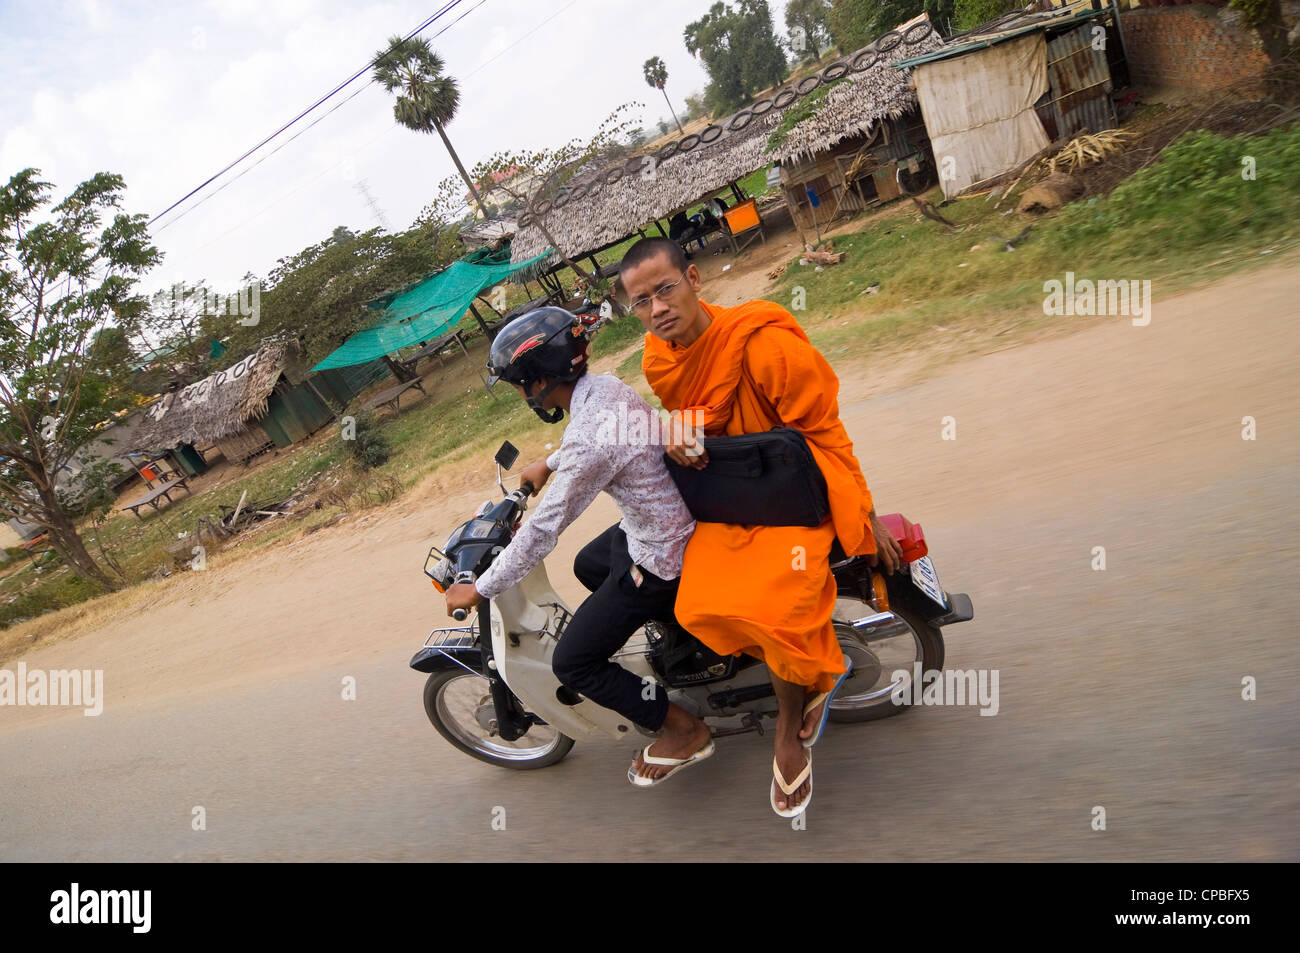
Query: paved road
pixel 1120 688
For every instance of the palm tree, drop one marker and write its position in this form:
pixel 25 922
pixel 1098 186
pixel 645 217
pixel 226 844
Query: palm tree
pixel 427 99
pixel 656 75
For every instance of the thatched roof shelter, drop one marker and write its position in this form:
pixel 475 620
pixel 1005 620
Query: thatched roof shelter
pixel 854 107
pixel 604 206
pixel 219 405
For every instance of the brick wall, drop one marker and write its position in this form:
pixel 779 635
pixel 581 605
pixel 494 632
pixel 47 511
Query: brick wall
pixel 1190 48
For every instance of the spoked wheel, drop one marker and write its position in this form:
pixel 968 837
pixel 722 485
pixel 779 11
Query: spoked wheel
pixel 461 709
pixel 866 694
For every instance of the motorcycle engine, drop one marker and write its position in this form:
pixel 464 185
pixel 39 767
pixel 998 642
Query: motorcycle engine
pixel 683 660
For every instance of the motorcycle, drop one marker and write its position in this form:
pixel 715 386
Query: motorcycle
pixel 492 694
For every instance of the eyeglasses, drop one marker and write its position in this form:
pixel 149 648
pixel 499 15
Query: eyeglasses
pixel 642 305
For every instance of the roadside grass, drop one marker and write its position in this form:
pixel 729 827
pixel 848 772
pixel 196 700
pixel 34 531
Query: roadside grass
pixel 1187 219
pixel 629 369
pixel 617 335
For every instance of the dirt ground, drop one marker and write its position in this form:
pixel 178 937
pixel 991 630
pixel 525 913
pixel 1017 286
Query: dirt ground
pixel 1120 688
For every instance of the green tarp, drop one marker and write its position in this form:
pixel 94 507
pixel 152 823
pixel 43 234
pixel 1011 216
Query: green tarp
pixel 424 311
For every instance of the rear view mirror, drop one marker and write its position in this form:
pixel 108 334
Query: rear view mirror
pixel 505 459
pixel 507 455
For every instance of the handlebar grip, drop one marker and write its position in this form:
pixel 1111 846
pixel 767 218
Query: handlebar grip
pixel 460 615
pixel 528 487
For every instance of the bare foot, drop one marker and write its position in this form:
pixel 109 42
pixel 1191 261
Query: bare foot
pixel 683 735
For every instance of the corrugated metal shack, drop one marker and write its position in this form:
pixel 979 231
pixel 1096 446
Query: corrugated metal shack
pixel 995 96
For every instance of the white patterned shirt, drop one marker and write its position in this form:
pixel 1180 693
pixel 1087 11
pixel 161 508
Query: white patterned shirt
pixel 612 443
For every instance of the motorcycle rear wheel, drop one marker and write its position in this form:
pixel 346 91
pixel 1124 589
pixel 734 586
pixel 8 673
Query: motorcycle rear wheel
pixel 866 695
pixel 451 700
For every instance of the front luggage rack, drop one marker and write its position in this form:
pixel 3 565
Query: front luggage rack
pixel 450 642
pixel 460 637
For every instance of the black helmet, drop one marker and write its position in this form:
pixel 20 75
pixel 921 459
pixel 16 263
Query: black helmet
pixel 544 342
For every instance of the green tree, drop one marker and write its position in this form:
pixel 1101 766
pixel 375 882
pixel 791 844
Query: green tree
pixel 320 294
pixel 1266 17
pixel 428 98
pixel 968 14
pixel 174 334
pixel 808 26
pixel 656 76
pixel 739 51
pixel 854 24
pixel 64 275
pixel 695 107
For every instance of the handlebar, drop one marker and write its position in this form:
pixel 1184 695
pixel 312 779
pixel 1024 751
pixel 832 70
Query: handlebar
pixel 460 615
pixel 528 487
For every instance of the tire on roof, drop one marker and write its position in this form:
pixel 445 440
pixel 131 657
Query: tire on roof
pixel 808 84
pixel 910 36
pixel 863 60
pixel 736 122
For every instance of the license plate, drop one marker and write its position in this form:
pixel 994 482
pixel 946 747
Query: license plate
pixel 927 580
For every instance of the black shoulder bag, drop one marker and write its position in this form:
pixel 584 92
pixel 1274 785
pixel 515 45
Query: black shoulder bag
pixel 755 479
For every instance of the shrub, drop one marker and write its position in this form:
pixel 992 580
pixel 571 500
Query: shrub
pixel 370 448
pixel 1201 186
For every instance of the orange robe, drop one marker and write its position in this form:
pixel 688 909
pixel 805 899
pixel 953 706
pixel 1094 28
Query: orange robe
pixel 753 588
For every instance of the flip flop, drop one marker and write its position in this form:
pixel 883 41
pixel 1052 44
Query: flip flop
pixel 676 763
pixel 825 697
pixel 779 778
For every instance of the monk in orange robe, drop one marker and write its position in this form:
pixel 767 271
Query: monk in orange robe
pixel 764 590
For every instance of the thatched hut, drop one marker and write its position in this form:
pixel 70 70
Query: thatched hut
pixel 226 409
pixel 604 206
pixel 841 149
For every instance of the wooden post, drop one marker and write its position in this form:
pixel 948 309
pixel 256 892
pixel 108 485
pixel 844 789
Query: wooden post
pixel 487 332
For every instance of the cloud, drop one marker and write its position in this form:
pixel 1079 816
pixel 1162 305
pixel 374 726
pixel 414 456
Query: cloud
pixel 167 95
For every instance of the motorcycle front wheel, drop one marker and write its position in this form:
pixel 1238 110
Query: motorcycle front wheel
pixel 458 704
pixel 867 694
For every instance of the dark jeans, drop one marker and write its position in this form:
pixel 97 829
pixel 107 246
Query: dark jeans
pixel 604 622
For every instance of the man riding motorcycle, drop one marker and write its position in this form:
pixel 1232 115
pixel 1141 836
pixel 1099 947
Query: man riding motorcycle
pixel 633 568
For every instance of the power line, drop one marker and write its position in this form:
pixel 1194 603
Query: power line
pixel 330 111
pixel 287 195
pixel 443 10
pixel 520 40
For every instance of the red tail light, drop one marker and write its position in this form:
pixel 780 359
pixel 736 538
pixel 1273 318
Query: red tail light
pixel 909 535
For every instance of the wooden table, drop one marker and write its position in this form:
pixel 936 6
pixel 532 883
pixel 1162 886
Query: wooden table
pixel 392 395
pixel 162 491
pixel 436 346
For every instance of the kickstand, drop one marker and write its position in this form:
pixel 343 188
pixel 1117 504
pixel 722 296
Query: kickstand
pixel 749 722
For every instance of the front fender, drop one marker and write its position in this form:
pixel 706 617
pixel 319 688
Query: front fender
pixel 429 659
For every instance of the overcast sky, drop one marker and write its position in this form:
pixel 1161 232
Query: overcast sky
pixel 167 94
